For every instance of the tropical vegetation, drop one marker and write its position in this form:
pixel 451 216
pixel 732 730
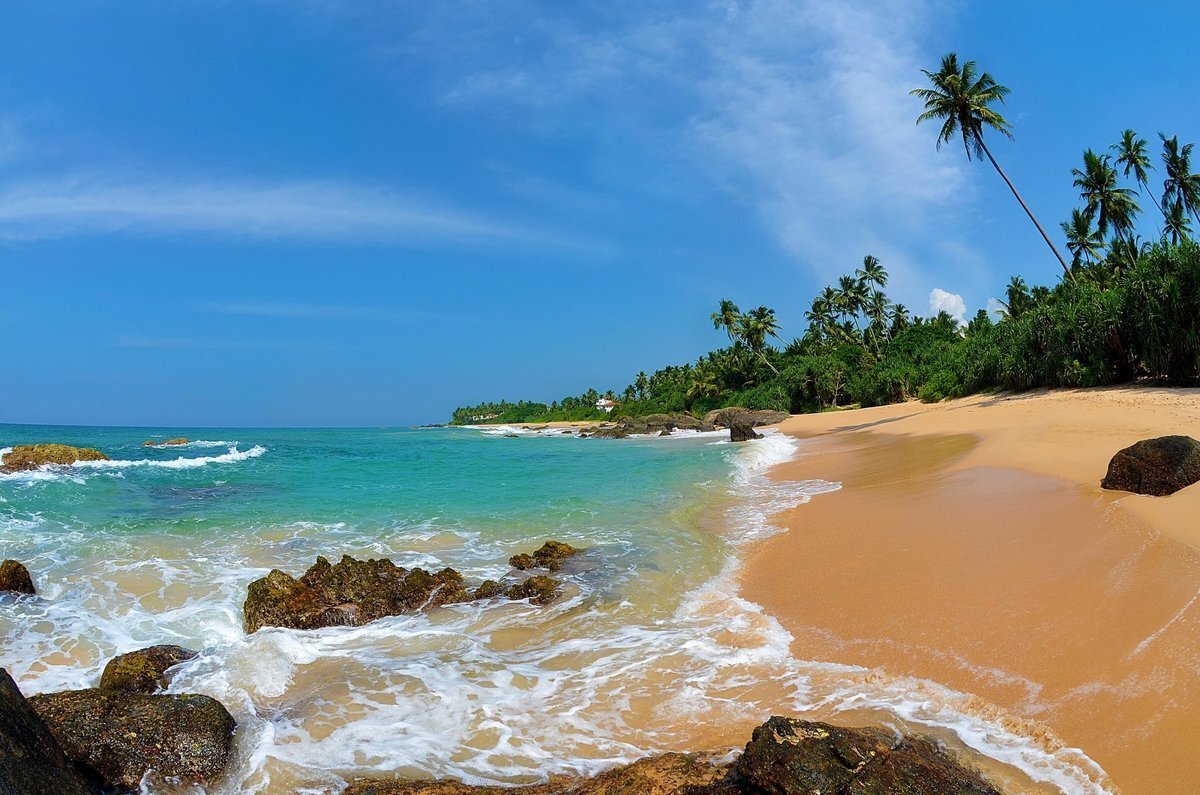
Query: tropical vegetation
pixel 1126 309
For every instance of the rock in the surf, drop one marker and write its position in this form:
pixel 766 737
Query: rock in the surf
pixel 351 592
pixel 538 590
pixel 32 456
pixel 742 431
pixel 144 670
pixel 786 756
pixel 1158 467
pixel 167 443
pixel 724 417
pixel 665 774
pixel 657 423
pixel 119 737
pixel 31 761
pixel 549 556
pixel 15 577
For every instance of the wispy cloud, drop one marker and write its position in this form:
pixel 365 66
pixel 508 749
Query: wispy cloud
pixel 304 210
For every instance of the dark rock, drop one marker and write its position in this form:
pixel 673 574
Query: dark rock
pixel 167 443
pixel 657 423
pixel 32 456
pixel 31 761
pixel 1159 466
pixel 664 432
pixel 538 590
pixel 724 417
pixel 488 589
pixel 350 593
pixel 550 556
pixel 665 774
pixel 15 577
pixel 610 433
pixel 118 737
pixel 742 431
pixel 143 671
pixel 786 756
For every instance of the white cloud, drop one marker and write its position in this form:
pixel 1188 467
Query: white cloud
pixel 308 210
pixel 950 303
pixel 996 308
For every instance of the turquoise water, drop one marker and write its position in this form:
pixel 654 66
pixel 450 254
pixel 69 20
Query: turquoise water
pixel 649 648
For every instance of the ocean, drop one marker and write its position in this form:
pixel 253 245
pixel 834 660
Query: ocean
pixel 649 648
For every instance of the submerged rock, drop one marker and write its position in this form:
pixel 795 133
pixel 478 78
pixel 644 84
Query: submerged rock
pixel 786 756
pixel 143 671
pixel 550 556
pixel 31 761
pixel 350 593
pixel 665 774
pixel 119 737
pixel 167 443
pixel 724 417
pixel 1158 467
pixel 742 431
pixel 32 456
pixel 15 577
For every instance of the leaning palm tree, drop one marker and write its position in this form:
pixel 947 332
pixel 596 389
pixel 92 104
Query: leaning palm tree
pixel 1132 157
pixel 1085 242
pixel 1108 204
pixel 961 99
pixel 756 326
pixel 1181 185
pixel 1178 226
pixel 727 317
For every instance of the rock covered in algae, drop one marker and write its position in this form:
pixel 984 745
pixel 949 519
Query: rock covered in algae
pixel 32 456
pixel 1157 467
pixel 167 443
pixel 15 577
pixel 119 737
pixel 550 556
pixel 144 670
pixel 31 761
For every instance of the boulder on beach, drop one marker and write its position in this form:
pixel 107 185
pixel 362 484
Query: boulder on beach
pixel 167 443
pixel 119 737
pixel 1157 467
pixel 550 556
pixel 349 593
pixel 32 456
pixel 742 431
pixel 144 670
pixel 724 417
pixel 15 577
pixel 657 423
pixel 786 756
pixel 610 433
pixel 31 760
pixel 664 774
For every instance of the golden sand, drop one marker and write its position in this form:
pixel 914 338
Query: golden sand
pixel 971 545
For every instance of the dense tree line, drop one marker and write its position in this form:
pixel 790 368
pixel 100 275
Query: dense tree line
pixel 1126 309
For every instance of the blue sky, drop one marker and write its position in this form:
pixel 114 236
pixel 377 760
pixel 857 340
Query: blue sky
pixel 340 213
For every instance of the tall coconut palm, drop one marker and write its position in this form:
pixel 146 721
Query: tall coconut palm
pixel 1109 204
pixel 756 326
pixel 1178 226
pixel 872 272
pixel 1132 157
pixel 1181 185
pixel 727 317
pixel 1085 243
pixel 961 99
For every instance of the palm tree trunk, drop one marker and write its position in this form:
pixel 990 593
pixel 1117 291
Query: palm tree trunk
pixel 1025 207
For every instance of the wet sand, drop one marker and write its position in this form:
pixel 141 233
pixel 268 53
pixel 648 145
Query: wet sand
pixel 972 546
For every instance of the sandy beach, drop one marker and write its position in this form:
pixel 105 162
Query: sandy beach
pixel 971 545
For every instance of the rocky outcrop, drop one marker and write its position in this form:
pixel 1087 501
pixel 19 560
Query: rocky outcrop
pixel 550 556
pixel 354 592
pixel 742 431
pixel 15 577
pixel 725 417
pixel 31 761
pixel 609 433
pixel 145 670
pixel 657 423
pixel 117 737
pixel 665 774
pixel 167 443
pixel 1159 466
pixel 32 456
pixel 786 756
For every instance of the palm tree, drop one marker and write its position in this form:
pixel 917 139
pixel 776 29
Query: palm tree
pixel 1085 243
pixel 640 384
pixel 872 272
pixel 961 99
pixel 1109 204
pixel 756 326
pixel 1181 185
pixel 1178 225
pixel 1132 157
pixel 727 317
pixel 1019 300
